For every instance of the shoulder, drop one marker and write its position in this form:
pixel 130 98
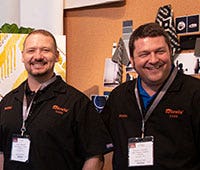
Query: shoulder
pixel 124 88
pixel 188 80
pixel 69 91
pixel 186 84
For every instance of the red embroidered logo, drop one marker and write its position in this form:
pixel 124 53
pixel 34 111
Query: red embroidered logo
pixel 8 108
pixel 132 145
pixel 173 113
pixel 123 115
pixel 59 109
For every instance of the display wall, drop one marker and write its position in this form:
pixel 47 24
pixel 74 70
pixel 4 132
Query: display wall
pixel 92 31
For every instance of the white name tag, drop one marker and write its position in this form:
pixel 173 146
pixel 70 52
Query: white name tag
pixel 140 151
pixel 20 148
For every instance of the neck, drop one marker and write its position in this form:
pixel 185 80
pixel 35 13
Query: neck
pixel 151 89
pixel 35 83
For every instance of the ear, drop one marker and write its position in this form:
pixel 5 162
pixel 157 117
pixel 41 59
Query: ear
pixel 132 62
pixel 57 55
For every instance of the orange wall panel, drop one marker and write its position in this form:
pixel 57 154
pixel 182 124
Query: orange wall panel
pixel 91 31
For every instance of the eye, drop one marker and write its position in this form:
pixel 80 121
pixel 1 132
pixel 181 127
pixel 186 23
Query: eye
pixel 31 50
pixel 46 49
pixel 160 51
pixel 143 54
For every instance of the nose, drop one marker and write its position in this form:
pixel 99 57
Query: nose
pixel 38 54
pixel 153 58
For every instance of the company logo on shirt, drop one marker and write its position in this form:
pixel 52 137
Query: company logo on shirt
pixel 59 110
pixel 173 113
pixel 109 145
pixel 122 115
pixel 8 108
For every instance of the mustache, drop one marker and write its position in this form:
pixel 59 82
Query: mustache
pixel 38 61
pixel 156 66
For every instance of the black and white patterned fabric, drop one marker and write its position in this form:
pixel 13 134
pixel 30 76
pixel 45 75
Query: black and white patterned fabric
pixel 165 19
pixel 120 57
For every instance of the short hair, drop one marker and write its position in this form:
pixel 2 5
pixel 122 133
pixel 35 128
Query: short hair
pixel 147 30
pixel 43 32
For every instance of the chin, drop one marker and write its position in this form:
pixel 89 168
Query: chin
pixel 40 74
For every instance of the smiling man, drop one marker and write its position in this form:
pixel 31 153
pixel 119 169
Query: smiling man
pixel 46 124
pixel 39 56
pixel 154 120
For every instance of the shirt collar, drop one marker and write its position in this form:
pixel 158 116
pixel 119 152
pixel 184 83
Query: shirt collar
pixel 43 85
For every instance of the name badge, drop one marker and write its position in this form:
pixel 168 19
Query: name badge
pixel 20 148
pixel 140 151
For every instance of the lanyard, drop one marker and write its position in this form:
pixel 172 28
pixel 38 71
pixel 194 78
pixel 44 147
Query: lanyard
pixel 26 108
pixel 157 99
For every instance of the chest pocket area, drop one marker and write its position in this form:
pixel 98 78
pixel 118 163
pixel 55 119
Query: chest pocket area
pixel 48 116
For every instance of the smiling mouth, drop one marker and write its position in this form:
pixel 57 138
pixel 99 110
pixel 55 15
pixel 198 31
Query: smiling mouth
pixel 38 63
pixel 153 68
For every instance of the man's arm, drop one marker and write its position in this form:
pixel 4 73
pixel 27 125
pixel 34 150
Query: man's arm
pixel 94 163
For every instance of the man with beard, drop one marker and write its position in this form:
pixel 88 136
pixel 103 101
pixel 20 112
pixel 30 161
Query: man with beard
pixel 46 124
pixel 154 120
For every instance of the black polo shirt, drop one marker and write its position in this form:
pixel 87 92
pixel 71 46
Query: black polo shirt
pixel 174 123
pixel 63 126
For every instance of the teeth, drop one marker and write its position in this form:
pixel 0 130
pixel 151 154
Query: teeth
pixel 154 67
pixel 157 67
pixel 38 63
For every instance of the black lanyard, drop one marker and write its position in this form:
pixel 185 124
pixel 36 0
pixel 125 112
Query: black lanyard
pixel 157 99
